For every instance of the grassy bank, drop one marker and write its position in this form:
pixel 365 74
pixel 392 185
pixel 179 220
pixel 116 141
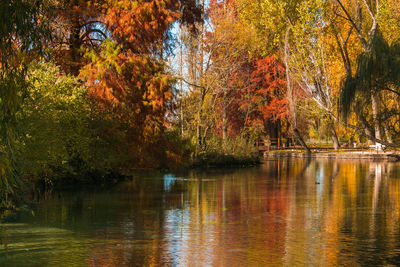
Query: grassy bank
pixel 217 160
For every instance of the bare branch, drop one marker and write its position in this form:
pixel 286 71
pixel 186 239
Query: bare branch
pixel 359 33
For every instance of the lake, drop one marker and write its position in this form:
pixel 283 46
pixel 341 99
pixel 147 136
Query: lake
pixel 286 212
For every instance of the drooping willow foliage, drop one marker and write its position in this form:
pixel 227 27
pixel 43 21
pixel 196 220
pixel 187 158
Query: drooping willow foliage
pixel 20 35
pixel 377 69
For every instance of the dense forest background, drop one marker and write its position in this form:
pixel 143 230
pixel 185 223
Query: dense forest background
pixel 95 89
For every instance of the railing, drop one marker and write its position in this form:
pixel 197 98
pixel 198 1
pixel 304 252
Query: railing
pixel 269 144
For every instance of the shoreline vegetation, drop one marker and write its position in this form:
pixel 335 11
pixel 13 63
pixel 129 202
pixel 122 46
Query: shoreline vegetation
pixel 210 161
pixel 215 160
pixel 91 91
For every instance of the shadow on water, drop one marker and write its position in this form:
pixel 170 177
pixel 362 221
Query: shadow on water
pixel 288 211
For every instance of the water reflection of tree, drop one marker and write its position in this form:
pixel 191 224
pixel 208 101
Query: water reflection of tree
pixel 286 212
pixel 281 210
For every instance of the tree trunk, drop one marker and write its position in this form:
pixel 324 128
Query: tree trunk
pixel 204 141
pixel 334 137
pixel 290 95
pixel 364 125
pixel 388 136
pixel 224 122
pixel 301 140
pixel 181 81
pixel 202 91
pixel 198 128
pixel 377 127
pixel 75 46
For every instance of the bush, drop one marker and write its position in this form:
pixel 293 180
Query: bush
pixel 59 138
pixel 233 152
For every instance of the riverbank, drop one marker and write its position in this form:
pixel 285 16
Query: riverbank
pixel 35 187
pixel 341 154
pixel 217 160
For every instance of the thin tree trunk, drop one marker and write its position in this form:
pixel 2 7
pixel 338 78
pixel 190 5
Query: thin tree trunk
pixel 377 127
pixel 74 47
pixel 202 94
pixel 75 43
pixel 290 95
pixel 387 133
pixel 192 71
pixel 204 138
pixel 198 128
pixel 334 137
pixel 181 81
pixel 224 125
pixel 301 140
pixel 364 125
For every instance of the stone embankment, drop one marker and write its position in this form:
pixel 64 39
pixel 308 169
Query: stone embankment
pixel 367 155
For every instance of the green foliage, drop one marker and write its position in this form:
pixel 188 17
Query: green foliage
pixel 377 69
pixel 20 29
pixel 20 36
pixel 52 118
pixel 59 136
pixel 178 150
pixel 237 151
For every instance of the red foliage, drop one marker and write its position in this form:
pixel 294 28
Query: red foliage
pixel 250 92
pixel 266 95
pixel 260 100
pixel 129 78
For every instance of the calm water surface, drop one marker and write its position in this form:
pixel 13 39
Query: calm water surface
pixel 290 212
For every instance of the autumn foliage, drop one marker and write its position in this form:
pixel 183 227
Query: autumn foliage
pixel 267 91
pixel 76 26
pixel 251 90
pixel 128 77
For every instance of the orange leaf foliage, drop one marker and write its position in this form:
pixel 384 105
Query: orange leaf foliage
pixel 265 98
pixel 128 77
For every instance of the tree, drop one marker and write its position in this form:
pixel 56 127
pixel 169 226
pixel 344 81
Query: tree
pixel 309 60
pixel 76 26
pixel 54 121
pixel 20 40
pixel 377 70
pixel 365 23
pixel 264 101
pixel 128 76
pixel 229 46
pixel 277 20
